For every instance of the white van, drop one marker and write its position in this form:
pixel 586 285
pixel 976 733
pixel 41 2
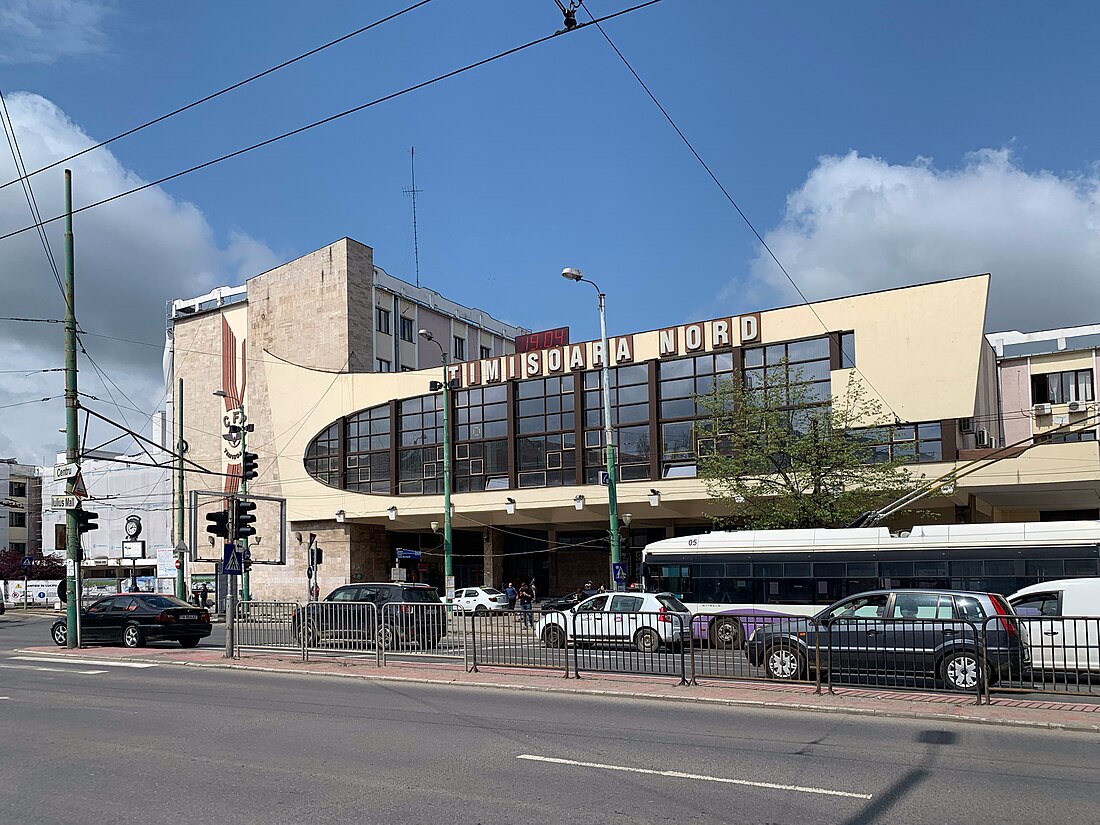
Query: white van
pixel 1067 634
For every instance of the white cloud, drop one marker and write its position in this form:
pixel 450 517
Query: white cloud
pixel 859 224
pixel 44 31
pixel 131 256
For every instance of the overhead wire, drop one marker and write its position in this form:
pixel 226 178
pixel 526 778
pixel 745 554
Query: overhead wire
pixel 223 91
pixel 385 98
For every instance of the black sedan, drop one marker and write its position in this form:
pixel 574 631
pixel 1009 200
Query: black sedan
pixel 137 618
pixel 568 601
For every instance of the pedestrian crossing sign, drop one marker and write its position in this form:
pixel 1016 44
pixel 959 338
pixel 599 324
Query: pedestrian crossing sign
pixel 232 563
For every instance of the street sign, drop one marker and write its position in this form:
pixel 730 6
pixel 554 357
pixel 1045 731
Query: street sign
pixel 413 555
pixel 605 479
pixel 232 563
pixel 618 570
pixel 26 562
pixel 61 471
pixel 64 502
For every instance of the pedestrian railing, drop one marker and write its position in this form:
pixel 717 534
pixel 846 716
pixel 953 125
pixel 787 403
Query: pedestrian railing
pixel 528 639
pixel 649 643
pixel 339 629
pixel 755 646
pixel 422 629
pixel 266 626
pixel 1053 654
pixel 906 653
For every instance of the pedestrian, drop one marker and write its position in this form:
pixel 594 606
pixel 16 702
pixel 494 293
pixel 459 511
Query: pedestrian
pixel 534 591
pixel 510 592
pixel 202 595
pixel 526 597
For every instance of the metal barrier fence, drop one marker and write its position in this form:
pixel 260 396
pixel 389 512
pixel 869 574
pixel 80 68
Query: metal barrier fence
pixel 908 653
pixel 422 629
pixel 505 638
pixel 784 648
pixel 266 626
pixel 1056 654
pixel 651 643
pixel 337 628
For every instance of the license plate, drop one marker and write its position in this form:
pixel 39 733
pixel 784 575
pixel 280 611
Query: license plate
pixel 187 616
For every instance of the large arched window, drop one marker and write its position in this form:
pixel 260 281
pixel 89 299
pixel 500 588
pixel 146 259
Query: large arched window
pixel 323 456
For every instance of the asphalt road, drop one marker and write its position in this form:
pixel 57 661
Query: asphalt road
pixel 89 741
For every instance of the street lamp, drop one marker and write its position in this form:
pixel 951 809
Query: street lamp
pixel 448 559
pixel 572 274
pixel 245 427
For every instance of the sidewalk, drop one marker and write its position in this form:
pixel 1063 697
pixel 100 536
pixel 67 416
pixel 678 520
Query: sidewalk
pixel 1059 715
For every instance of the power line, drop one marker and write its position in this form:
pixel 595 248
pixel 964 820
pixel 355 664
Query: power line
pixel 338 115
pixel 220 92
pixel 851 359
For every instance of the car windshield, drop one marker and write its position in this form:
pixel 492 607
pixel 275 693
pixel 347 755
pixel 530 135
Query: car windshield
pixel 164 601
pixel 672 603
pixel 419 594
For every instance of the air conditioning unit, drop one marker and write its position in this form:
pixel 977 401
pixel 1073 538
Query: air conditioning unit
pixel 982 438
pixel 1040 409
pixel 1078 407
pixel 966 425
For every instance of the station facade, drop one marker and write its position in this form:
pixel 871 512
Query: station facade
pixel 358 453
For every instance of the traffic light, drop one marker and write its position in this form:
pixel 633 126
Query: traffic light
pixel 243 518
pixel 86 521
pixel 219 523
pixel 249 465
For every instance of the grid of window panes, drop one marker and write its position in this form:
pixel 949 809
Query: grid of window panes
pixel 679 382
pixel 481 447
pixel 322 458
pixel 629 390
pixel 546 441
pixel 367 458
pixel 1062 387
pixel 797 371
pixel 420 455
pixel 905 443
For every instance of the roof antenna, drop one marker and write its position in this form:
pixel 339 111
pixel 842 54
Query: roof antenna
pixel 413 192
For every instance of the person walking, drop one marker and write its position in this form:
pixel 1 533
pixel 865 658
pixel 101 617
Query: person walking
pixel 510 592
pixel 526 598
pixel 202 594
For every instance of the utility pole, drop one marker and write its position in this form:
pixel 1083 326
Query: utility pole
pixel 448 555
pixel 72 533
pixel 180 546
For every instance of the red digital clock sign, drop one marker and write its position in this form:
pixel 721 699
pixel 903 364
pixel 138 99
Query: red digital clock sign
pixel 542 340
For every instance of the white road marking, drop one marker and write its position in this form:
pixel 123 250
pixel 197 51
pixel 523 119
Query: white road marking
pixel 775 786
pixel 99 662
pixel 53 669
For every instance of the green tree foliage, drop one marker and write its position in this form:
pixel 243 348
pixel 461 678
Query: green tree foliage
pixel 777 456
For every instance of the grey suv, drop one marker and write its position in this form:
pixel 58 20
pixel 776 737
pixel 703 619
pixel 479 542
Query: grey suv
pixel 898 636
pixel 402 615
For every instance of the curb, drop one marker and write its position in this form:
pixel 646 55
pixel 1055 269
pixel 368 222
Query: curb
pixel 654 697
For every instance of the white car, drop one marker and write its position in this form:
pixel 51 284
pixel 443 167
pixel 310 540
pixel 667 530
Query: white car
pixel 1064 631
pixel 480 599
pixel 646 621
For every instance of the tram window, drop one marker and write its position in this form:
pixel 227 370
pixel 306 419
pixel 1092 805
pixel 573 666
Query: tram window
pixel 1000 567
pixel 934 569
pixel 1080 567
pixel 709 570
pixel 896 569
pixel 796 570
pixel 768 571
pixel 966 568
pixel 1046 568
pixel 826 570
pixel 738 570
pixel 862 569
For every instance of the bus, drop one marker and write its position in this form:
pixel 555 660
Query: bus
pixel 797 572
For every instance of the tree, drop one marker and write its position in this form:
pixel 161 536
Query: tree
pixel 781 455
pixel 44 568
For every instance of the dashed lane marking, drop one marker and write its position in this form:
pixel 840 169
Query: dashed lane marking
pixel 98 662
pixel 53 669
pixel 774 786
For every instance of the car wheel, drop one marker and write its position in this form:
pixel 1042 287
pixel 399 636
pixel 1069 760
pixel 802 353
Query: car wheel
pixel 553 636
pixel 647 640
pixel 312 635
pixel 189 641
pixel 782 662
pixel 386 637
pixel 481 610
pixel 132 636
pixel 60 634
pixel 961 671
pixel 725 633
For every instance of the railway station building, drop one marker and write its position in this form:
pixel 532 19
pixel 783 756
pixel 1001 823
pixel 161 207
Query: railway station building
pixel 323 356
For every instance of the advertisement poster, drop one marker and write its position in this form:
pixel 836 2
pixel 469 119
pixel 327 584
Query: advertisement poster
pixel 166 563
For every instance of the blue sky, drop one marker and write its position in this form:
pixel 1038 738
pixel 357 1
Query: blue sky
pixel 872 144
